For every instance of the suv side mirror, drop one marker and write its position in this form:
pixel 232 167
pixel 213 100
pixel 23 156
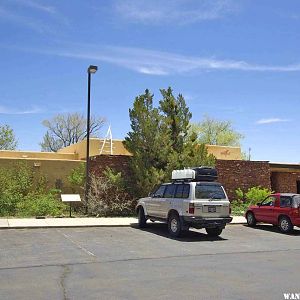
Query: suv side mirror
pixel 150 195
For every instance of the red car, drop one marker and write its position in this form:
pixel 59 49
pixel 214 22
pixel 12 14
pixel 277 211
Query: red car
pixel 282 210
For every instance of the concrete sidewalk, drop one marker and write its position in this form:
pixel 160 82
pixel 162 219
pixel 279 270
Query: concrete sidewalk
pixel 78 222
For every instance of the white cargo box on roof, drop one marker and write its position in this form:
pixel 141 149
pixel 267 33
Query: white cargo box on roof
pixel 183 174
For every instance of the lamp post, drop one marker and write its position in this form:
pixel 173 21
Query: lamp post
pixel 91 70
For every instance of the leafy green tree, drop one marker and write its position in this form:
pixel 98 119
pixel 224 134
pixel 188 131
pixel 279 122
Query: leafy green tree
pixel 7 138
pixel 160 141
pixel 215 132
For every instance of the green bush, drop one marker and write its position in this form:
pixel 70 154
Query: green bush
pixel 256 194
pixel 243 200
pixel 240 194
pixel 77 177
pixel 41 205
pixel 115 178
pixel 238 207
pixel 24 193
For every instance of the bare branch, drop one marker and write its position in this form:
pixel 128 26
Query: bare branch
pixel 66 129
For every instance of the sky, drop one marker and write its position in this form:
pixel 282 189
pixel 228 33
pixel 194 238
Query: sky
pixel 235 60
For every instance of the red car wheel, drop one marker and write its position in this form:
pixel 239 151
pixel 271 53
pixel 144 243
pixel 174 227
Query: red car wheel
pixel 251 221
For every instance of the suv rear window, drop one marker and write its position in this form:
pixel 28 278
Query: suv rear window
pixel 209 191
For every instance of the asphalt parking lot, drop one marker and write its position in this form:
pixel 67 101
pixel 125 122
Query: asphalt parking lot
pixel 128 263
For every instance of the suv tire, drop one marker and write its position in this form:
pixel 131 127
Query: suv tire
pixel 251 221
pixel 213 232
pixel 174 225
pixel 285 224
pixel 142 220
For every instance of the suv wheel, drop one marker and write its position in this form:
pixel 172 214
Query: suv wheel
pixel 251 221
pixel 285 224
pixel 174 225
pixel 141 218
pixel 216 231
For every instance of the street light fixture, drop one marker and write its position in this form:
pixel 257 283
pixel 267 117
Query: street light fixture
pixel 91 70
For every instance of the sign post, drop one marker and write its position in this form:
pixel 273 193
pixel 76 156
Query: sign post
pixel 70 198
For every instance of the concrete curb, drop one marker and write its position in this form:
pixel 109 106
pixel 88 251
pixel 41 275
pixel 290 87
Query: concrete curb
pixel 9 223
pixel 61 226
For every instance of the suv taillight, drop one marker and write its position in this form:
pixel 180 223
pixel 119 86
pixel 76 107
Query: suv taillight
pixel 229 209
pixel 191 208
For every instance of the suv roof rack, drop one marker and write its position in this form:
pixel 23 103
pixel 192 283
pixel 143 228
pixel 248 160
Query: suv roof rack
pixel 195 174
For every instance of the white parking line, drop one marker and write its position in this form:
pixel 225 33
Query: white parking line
pixel 76 244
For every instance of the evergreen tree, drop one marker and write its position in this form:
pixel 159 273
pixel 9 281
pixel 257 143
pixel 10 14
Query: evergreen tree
pixel 160 141
pixel 148 143
pixel 185 152
pixel 176 117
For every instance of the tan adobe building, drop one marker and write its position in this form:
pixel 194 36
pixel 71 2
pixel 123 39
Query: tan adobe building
pixel 58 165
pixel 233 170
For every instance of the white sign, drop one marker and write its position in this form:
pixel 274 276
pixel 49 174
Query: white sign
pixel 70 198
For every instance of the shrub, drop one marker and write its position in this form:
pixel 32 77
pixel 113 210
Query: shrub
pixel 257 194
pixel 42 205
pixel 107 196
pixel 243 200
pixel 77 178
pixel 24 193
pixel 115 178
pixel 240 194
pixel 15 184
pixel 238 207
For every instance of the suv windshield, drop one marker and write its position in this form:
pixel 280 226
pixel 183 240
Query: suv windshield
pixel 209 191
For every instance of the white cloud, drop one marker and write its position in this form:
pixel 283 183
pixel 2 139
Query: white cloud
pixel 167 11
pixel 271 121
pixel 13 111
pixel 160 63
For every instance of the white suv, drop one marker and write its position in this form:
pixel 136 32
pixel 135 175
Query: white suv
pixel 188 202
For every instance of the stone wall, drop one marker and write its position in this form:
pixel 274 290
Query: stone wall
pixel 285 182
pixel 119 163
pixel 234 174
